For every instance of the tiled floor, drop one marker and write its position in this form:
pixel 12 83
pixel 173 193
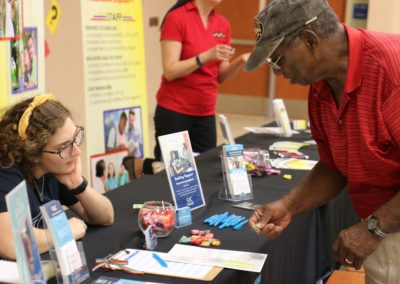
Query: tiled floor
pixel 236 121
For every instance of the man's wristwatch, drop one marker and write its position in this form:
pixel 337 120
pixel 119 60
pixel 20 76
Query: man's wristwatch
pixel 81 188
pixel 373 226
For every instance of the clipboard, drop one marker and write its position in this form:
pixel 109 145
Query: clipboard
pixel 142 260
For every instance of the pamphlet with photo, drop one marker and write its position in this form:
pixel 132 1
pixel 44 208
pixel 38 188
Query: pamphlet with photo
pixel 28 257
pixel 69 258
pixel 235 170
pixel 181 170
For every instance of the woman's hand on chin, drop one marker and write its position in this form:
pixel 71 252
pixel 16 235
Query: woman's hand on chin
pixel 74 178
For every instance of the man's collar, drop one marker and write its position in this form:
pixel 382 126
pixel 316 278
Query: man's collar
pixel 354 67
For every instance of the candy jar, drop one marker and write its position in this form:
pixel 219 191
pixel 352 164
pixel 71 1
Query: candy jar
pixel 159 215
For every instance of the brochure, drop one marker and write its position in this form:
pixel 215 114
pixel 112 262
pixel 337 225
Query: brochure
pixel 68 256
pixel 181 170
pixel 28 257
pixel 235 170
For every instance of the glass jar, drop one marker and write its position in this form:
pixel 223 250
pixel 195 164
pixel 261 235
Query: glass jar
pixel 158 214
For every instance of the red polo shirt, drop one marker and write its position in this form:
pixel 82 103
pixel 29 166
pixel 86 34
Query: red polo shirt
pixel 195 94
pixel 361 139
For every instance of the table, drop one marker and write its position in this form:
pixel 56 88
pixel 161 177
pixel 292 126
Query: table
pixel 302 254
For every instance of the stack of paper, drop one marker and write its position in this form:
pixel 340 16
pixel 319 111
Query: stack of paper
pixel 239 260
pixel 8 272
pixel 290 146
pixel 293 164
pixel 278 131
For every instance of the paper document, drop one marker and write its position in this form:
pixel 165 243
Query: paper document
pixel 268 130
pixel 9 272
pixel 143 260
pixel 293 164
pixel 291 146
pixel 239 260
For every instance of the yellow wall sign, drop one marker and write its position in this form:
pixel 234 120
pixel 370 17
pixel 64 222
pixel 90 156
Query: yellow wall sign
pixel 53 16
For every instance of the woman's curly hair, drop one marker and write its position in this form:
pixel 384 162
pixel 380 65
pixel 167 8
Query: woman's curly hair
pixel 43 124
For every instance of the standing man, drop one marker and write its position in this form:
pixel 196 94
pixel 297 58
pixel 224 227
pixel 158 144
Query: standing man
pixel 133 137
pixel 354 103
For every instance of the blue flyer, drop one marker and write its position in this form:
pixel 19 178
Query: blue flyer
pixel 28 257
pixel 181 170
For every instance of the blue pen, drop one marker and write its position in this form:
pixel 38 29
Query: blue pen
pixel 161 261
pixel 240 225
pixel 238 220
pixel 132 255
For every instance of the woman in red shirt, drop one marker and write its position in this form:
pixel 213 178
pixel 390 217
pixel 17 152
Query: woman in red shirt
pixel 196 53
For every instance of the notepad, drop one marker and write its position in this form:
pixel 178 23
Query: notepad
pixel 8 272
pixel 142 260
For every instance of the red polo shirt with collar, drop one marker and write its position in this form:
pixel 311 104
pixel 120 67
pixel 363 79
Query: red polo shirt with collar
pixel 196 93
pixel 361 138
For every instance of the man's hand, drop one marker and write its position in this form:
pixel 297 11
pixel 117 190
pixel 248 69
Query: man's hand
pixel 270 219
pixel 355 244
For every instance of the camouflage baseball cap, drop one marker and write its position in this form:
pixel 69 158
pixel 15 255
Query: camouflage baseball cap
pixel 277 20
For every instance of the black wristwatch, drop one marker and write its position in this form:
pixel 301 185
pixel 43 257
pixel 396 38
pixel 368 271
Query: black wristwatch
pixel 373 226
pixel 81 188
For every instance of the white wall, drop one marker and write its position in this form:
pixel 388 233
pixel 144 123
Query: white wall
pixel 384 16
pixel 153 8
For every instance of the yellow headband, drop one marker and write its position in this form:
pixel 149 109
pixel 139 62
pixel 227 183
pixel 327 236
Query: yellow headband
pixel 24 121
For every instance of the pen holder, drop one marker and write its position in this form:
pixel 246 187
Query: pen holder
pixel 159 215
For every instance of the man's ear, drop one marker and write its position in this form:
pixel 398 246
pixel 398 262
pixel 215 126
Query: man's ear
pixel 310 38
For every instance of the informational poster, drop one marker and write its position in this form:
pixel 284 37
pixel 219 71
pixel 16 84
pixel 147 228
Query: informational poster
pixel 181 170
pixel 22 55
pixel 115 83
pixel 107 171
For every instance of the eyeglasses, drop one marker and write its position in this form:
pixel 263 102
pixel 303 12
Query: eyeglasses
pixel 65 151
pixel 274 63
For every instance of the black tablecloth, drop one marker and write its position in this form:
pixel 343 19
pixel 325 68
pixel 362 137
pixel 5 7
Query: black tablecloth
pixel 302 254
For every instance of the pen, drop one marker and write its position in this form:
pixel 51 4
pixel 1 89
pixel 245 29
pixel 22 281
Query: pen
pixel 161 261
pixel 240 225
pixel 132 255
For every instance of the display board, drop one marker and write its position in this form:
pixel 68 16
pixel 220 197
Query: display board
pixel 96 67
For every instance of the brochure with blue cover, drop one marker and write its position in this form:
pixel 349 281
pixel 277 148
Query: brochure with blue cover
pixel 28 257
pixel 181 170
pixel 235 170
pixel 68 255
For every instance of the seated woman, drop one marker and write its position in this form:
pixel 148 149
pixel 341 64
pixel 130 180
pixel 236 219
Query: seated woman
pixel 39 143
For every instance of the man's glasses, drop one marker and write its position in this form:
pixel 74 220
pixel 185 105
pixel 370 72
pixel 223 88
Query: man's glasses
pixel 274 63
pixel 65 151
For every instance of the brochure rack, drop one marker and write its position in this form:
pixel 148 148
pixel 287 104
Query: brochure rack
pixel 67 255
pixel 76 277
pixel 224 191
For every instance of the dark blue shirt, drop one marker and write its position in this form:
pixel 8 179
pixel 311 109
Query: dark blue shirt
pixel 48 185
